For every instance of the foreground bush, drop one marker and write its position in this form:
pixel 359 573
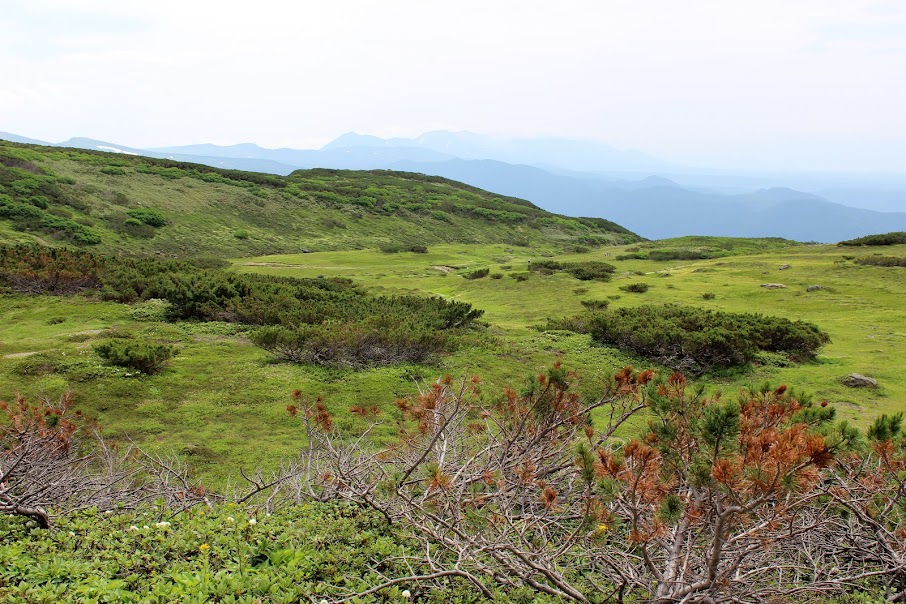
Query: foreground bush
pixel 762 498
pixel 696 340
pixel 514 497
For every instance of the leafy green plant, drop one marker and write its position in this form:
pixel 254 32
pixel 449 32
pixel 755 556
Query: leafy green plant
pixel 477 274
pixel 635 288
pixel 696 340
pixel 146 357
pixel 882 261
pixel 595 304
pixel 895 238
pixel 149 216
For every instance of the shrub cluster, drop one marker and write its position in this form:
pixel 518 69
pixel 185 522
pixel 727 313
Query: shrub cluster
pixel 882 261
pixel 477 274
pixel 28 192
pixel 695 340
pixel 148 216
pixel 312 314
pixel 143 356
pixel 895 238
pixel 584 271
pixel 635 288
pixel 33 269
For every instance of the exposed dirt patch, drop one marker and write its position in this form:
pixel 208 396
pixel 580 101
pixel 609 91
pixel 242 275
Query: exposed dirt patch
pixel 19 355
pixel 444 269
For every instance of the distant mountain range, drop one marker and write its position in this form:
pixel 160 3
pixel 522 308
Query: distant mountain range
pixel 652 197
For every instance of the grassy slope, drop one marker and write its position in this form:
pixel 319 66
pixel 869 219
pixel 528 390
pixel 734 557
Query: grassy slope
pixel 225 213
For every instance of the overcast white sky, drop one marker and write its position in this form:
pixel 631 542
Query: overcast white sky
pixel 804 84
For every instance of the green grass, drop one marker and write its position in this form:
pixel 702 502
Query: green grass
pixel 859 306
pixel 221 401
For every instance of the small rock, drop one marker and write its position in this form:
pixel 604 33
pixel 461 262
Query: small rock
pixel 773 285
pixel 783 267
pixel 306 250
pixel 814 288
pixel 856 380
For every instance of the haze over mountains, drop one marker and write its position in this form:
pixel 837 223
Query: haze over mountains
pixel 652 197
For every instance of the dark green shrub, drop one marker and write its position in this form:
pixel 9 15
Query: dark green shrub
pixel 352 345
pixel 396 248
pixel 682 254
pixel 477 274
pixel 895 238
pixel 708 296
pixel 635 288
pixel 112 171
pixel 143 356
pixel 520 276
pixel 591 270
pixel 882 261
pixel 545 267
pixel 595 304
pixel 695 340
pixel 148 216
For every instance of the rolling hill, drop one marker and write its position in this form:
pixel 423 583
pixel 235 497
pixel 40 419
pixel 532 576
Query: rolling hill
pixel 132 204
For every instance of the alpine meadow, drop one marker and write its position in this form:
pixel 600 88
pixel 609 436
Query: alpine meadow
pixel 378 386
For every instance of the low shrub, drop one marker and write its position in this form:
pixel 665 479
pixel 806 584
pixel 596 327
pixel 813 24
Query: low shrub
pixel 148 216
pixel 695 340
pixel 142 356
pixel 352 345
pixel 584 271
pixel 595 304
pixel 635 288
pixel 477 274
pixel 708 296
pixel 895 238
pixel 882 261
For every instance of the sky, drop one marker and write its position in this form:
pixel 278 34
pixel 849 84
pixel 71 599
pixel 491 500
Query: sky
pixel 744 84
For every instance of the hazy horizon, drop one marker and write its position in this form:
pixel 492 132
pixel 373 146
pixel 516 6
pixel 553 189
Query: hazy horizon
pixel 767 86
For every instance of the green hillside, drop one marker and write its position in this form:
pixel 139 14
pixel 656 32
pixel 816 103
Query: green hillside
pixel 137 205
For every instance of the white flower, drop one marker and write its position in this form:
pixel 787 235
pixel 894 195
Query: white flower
pixel 71 534
pixel 407 594
pixel 252 522
pixel 133 528
pixel 162 525
pixel 230 519
pixel 324 601
pixel 146 527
